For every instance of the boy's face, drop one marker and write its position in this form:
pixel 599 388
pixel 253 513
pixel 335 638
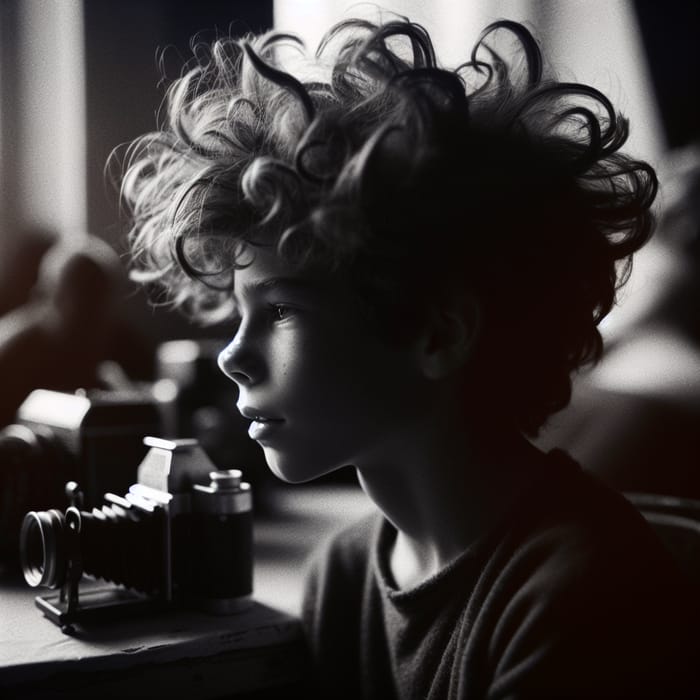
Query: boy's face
pixel 328 391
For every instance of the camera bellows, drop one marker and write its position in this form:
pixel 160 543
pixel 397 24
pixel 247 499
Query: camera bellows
pixel 119 543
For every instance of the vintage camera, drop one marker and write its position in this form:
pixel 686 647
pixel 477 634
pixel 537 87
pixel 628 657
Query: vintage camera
pixel 95 437
pixel 181 535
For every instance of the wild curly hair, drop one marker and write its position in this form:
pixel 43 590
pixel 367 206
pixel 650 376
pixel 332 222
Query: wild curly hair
pixel 409 181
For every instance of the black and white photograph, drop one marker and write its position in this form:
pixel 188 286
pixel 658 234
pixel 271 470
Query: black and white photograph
pixel 350 350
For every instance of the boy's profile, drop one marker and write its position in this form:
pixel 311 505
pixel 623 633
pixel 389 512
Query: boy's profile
pixel 416 260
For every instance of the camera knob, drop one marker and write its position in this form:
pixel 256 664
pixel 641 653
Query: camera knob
pixel 74 494
pixel 226 479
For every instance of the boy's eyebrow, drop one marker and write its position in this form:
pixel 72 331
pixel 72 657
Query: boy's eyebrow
pixel 287 284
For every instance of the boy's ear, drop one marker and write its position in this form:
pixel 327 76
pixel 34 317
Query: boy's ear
pixel 448 337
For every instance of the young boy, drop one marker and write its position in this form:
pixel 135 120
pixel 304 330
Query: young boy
pixel 417 259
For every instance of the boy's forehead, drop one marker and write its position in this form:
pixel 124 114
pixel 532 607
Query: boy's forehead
pixel 268 270
pixel 261 263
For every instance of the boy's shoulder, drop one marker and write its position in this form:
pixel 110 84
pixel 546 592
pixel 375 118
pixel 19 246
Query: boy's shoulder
pixel 573 518
pixel 336 575
pixel 347 550
pixel 584 576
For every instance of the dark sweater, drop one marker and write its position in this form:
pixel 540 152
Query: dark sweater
pixel 570 596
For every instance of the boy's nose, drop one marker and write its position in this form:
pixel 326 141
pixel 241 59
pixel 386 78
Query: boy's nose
pixel 236 362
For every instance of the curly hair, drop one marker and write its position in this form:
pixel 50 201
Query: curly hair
pixel 411 182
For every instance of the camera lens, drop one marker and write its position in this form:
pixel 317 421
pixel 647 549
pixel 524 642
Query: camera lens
pixel 43 548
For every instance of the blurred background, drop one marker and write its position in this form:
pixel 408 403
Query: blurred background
pixel 78 78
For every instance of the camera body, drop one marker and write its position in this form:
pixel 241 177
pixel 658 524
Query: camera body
pixel 182 534
pixel 95 437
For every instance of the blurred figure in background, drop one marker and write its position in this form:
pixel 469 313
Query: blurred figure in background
pixel 20 258
pixel 635 418
pixel 57 337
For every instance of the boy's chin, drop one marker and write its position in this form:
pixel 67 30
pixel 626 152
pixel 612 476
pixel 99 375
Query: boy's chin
pixel 294 471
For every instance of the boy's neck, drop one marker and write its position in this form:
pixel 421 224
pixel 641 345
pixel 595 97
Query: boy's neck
pixel 445 494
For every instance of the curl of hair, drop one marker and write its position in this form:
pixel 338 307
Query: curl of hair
pixel 411 180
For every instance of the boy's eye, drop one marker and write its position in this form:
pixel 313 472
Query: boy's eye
pixel 280 311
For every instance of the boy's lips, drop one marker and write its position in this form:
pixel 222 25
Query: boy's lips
pixel 260 429
pixel 262 424
pixel 256 414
